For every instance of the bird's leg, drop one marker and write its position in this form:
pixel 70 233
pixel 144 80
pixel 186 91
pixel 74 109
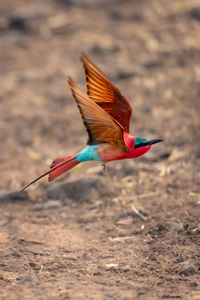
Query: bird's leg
pixel 104 167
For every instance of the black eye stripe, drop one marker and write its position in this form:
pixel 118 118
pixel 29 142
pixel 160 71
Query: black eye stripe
pixel 141 145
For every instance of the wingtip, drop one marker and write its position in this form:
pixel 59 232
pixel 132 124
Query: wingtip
pixel 82 55
pixel 84 58
pixel 70 81
pixel 73 87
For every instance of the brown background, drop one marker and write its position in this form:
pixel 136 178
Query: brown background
pixel 132 233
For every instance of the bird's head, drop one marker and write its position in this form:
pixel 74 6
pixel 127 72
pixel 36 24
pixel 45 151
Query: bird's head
pixel 142 145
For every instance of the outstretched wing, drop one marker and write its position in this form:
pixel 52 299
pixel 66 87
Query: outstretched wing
pixel 101 127
pixel 101 90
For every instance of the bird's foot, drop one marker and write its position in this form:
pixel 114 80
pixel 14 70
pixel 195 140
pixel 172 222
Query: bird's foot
pixel 104 167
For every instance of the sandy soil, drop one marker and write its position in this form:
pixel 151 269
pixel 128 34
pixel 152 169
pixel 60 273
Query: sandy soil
pixel 134 232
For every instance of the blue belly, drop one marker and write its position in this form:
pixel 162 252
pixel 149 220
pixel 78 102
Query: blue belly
pixel 89 153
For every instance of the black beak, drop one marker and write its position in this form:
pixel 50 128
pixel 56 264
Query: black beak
pixel 154 141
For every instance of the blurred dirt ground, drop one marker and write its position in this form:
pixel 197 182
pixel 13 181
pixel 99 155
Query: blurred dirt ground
pixel 133 233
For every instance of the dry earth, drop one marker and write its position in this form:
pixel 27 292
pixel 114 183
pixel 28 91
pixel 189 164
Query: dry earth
pixel 133 233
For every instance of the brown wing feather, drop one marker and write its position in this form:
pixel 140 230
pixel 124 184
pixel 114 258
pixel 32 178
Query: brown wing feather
pixel 101 90
pixel 100 126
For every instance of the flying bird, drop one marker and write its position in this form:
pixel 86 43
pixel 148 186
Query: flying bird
pixel 106 115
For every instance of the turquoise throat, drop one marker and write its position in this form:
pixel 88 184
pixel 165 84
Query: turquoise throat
pixel 89 153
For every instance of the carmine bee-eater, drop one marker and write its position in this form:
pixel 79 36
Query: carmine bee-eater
pixel 106 116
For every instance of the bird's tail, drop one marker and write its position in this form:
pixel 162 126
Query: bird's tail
pixel 57 168
pixel 62 165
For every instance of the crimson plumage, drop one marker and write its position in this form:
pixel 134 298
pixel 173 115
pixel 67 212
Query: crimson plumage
pixel 106 115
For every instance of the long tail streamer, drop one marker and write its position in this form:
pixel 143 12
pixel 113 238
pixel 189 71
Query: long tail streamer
pixel 58 167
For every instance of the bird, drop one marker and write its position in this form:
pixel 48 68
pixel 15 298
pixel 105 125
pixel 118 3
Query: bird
pixel 106 115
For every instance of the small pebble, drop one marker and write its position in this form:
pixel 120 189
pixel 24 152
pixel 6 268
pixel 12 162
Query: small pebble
pixel 143 212
pixel 152 256
pixel 180 259
pixel 189 270
pixel 127 268
pixel 178 227
pixel 18 278
pixel 111 266
pixel 63 214
pixel 128 252
pixel 28 278
pixel 16 254
pixel 52 204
